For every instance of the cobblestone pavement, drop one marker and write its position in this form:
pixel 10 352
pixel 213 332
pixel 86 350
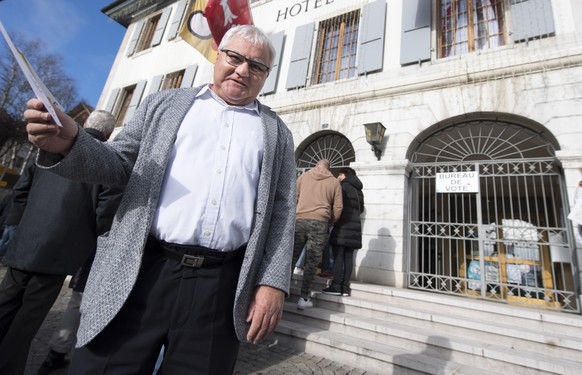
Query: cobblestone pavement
pixel 252 360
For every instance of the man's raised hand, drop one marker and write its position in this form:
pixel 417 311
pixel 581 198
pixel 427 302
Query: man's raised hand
pixel 44 133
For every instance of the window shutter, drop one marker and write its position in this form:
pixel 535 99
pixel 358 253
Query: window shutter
pixel 300 54
pixel 135 37
pixel 271 82
pixel 189 74
pixel 111 102
pixel 175 25
pixel 157 38
pixel 135 100
pixel 415 42
pixel 531 19
pixel 371 51
pixel 155 84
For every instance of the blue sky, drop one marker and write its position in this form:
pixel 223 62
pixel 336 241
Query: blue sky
pixel 86 39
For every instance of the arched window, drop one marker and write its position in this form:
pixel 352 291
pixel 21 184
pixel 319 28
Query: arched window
pixel 332 146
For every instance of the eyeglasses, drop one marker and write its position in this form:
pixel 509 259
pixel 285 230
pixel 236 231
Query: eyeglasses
pixel 236 59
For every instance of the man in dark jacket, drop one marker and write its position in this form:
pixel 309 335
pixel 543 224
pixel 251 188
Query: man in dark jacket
pixel 57 233
pixel 346 235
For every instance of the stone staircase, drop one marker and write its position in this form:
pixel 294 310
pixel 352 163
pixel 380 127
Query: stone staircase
pixel 399 331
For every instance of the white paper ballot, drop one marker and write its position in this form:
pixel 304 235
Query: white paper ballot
pixel 36 83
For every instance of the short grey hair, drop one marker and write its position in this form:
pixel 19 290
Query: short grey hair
pixel 102 121
pixel 251 34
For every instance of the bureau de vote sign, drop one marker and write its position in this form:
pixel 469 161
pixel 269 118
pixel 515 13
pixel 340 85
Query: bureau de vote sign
pixel 457 182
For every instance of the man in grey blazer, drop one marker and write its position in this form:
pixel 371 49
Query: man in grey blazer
pixel 199 253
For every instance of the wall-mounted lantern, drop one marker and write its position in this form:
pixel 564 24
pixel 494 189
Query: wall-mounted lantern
pixel 374 135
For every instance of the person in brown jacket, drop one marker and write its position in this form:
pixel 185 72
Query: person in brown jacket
pixel 319 205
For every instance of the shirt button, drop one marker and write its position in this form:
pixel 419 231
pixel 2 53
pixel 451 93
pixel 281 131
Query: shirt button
pixel 222 148
pixel 227 125
pixel 207 233
pixel 213 202
pixel 219 171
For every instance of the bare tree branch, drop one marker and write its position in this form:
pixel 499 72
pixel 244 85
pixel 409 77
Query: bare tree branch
pixel 15 90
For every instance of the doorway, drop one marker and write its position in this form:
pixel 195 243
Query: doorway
pixel 508 240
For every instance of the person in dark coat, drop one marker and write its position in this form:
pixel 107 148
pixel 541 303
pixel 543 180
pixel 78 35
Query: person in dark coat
pixel 4 207
pixel 346 235
pixel 56 234
pixel 8 221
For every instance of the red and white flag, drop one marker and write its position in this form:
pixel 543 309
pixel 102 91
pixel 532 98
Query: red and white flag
pixel 208 21
pixel 224 14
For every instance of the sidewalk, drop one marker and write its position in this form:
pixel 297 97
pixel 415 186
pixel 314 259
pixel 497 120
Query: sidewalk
pixel 264 359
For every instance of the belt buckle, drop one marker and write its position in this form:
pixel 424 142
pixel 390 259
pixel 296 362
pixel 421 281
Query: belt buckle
pixel 192 261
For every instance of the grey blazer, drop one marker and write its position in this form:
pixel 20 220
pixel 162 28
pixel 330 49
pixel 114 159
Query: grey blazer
pixel 137 158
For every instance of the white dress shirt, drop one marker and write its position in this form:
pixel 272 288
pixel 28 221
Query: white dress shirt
pixel 209 189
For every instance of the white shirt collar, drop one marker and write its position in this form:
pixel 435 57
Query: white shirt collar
pixel 206 91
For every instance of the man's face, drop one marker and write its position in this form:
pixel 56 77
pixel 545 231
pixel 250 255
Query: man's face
pixel 239 85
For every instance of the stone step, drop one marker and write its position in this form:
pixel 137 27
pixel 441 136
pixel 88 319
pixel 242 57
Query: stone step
pixel 489 330
pixel 459 333
pixel 557 322
pixel 567 324
pixel 447 345
pixel 371 356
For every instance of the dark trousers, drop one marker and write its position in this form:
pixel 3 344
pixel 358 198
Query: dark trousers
pixel 343 263
pixel 187 310
pixel 25 300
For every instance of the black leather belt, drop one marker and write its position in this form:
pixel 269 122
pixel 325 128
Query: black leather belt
pixel 193 256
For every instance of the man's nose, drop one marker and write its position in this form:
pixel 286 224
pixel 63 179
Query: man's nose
pixel 243 69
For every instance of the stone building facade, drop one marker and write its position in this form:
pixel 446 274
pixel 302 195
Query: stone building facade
pixel 469 190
